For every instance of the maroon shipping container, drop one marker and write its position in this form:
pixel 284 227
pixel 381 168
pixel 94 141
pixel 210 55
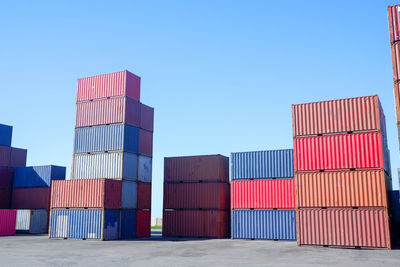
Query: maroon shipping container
pixel 31 198
pixel 211 168
pixel 345 151
pixel 146 117
pixel 122 83
pixel 143 223
pixel 344 227
pixel 8 221
pixel 145 143
pixel 108 111
pixel 196 223
pixel 263 194
pixel 5 198
pixel 144 195
pixel 6 177
pixel 12 157
pixel 394 29
pixel 358 114
pixel 196 196
pixel 86 193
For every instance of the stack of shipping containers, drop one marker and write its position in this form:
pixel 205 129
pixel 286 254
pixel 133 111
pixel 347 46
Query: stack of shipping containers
pixel 31 196
pixel 196 196
pixel 342 173
pixel 10 158
pixel 263 195
pixel 109 194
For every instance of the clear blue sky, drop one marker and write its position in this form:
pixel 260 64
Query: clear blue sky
pixel 222 75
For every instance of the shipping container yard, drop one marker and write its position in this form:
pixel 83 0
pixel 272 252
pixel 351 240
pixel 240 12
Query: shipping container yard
pixel 266 146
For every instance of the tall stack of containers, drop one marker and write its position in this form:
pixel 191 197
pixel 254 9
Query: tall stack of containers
pixel 263 195
pixel 31 196
pixel 109 194
pixel 196 196
pixel 342 173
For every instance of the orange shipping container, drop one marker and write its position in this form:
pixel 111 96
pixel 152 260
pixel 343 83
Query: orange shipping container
pixel 345 227
pixel 367 188
pixel 358 114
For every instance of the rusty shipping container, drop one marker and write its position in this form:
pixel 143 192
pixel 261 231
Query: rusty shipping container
pixel 196 223
pixel 196 196
pixel 263 194
pixel 366 188
pixel 394 26
pixel 394 33
pixel 344 227
pixel 210 168
pixel 86 193
pixel 31 198
pixel 344 151
pixel 358 114
pixel 122 83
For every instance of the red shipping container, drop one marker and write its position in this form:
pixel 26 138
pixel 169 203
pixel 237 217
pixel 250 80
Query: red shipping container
pixel 263 194
pixel 5 198
pixel 108 111
pixel 211 168
pixel 122 83
pixel 6 177
pixel 196 223
pixel 146 117
pixel 394 29
pixel 357 114
pixel 345 227
pixel 144 195
pixel 196 196
pixel 145 143
pixel 31 198
pixel 8 220
pixel 345 151
pixel 12 157
pixel 86 193
pixel 367 188
pixel 143 221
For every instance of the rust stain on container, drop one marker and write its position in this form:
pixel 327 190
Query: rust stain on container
pixel 344 227
pixel 367 188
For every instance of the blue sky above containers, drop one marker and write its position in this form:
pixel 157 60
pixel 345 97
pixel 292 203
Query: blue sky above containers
pixel 220 73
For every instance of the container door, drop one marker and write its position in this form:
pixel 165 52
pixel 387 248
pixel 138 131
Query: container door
pixel 62 226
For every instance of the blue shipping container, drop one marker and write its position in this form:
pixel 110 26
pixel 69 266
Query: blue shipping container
pixel 85 224
pixel 5 135
pixel 115 137
pixel 395 205
pixel 37 176
pixel 264 224
pixel 32 221
pixel 128 224
pixel 262 164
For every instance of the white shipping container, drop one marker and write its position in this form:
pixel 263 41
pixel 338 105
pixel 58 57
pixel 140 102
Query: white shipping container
pixel 144 169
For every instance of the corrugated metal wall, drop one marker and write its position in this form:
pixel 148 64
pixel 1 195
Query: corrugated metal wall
pixel 8 220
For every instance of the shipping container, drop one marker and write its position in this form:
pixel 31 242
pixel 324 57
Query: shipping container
pixel 395 49
pixel 344 151
pixel 12 157
pixel 115 137
pixel 108 111
pixel 143 221
pixel 86 193
pixel 128 223
pixel 146 117
pixel 37 176
pixel 129 195
pixel 262 164
pixel 394 28
pixel 6 177
pixel 344 227
pixel 395 205
pixel 5 135
pixel 210 168
pixel 5 198
pixel 113 165
pixel 146 143
pixel 144 169
pixel 85 224
pixel 32 221
pixel 263 194
pixel 196 196
pixel 358 114
pixel 264 224
pixel 121 83
pixel 31 198
pixel 144 195
pixel 8 220
pixel 196 223
pixel 367 188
